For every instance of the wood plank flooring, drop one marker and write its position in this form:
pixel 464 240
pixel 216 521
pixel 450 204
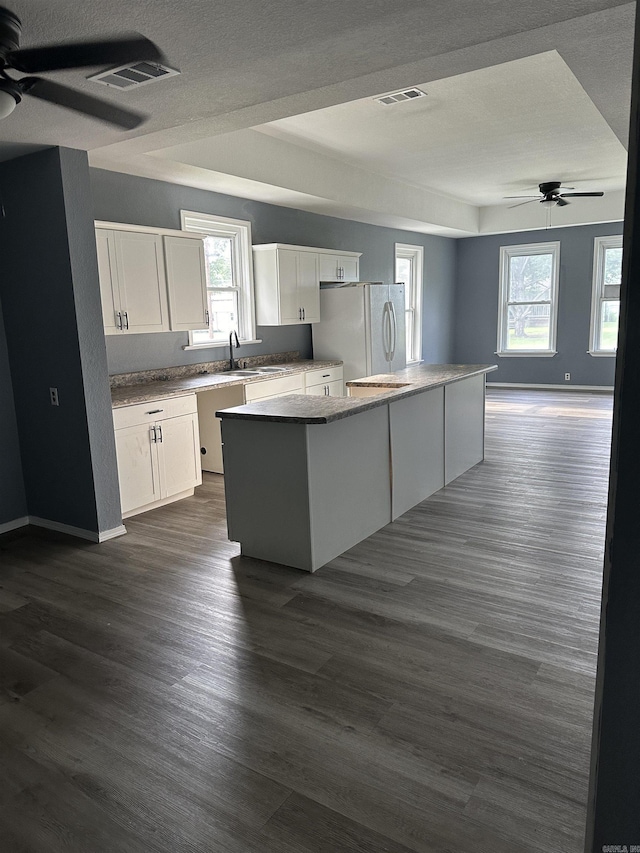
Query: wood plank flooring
pixel 430 690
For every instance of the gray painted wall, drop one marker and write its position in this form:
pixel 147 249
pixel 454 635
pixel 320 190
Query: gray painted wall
pixel 93 355
pixel 53 323
pixel 140 201
pixel 13 504
pixel 476 308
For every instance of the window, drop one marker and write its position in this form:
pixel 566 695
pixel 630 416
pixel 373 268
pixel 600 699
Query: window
pixel 228 261
pixel 409 265
pixel 605 299
pixel 528 299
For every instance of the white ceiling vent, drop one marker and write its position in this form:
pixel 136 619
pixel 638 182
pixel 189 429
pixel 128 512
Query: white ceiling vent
pixel 405 95
pixel 133 76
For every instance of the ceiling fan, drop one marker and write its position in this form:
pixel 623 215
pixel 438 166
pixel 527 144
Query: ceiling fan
pixel 550 194
pixel 109 51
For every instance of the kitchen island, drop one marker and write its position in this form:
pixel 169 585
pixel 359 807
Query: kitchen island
pixel 307 478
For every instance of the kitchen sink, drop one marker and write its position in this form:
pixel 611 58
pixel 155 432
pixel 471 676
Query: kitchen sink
pixel 256 371
pixel 270 369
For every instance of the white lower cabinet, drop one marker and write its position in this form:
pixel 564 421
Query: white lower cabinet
pixel 158 452
pixel 279 387
pixel 327 382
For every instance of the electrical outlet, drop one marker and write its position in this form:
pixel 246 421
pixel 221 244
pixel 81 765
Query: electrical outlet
pixel 53 394
pixel 567 377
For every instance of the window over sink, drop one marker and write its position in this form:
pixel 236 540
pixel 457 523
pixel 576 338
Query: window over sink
pixel 227 248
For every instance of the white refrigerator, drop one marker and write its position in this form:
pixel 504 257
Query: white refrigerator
pixel 363 324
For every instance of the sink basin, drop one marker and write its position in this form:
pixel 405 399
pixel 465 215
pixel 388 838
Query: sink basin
pixel 270 369
pixel 255 371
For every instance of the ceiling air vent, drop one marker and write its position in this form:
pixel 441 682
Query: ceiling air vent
pixel 133 76
pixel 405 95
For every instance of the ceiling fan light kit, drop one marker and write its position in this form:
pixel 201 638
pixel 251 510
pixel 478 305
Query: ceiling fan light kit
pixel 109 51
pixel 10 97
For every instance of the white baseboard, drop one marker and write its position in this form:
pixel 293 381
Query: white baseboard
pixel 79 532
pixel 104 535
pixel 600 388
pixel 14 525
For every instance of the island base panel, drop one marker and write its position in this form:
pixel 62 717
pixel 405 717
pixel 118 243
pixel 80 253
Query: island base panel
pixel 464 403
pixel 302 494
pixel 416 428
pixel 266 490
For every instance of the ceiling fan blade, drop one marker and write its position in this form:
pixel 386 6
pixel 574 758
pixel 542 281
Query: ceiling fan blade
pixel 520 196
pixel 581 195
pixel 113 51
pixel 72 99
pixel 511 206
pixel 561 202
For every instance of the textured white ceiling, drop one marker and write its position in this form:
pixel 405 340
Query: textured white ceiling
pixel 251 62
pixel 477 136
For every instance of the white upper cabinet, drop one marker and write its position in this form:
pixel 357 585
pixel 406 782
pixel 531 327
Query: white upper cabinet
pixel 132 282
pixel 309 287
pixel 287 285
pixel 111 310
pixel 334 267
pixel 141 282
pixel 151 281
pixel 287 281
pixel 186 283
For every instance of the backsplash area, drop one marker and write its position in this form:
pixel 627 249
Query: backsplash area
pixel 120 380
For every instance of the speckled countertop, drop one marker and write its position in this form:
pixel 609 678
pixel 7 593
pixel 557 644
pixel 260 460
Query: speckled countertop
pixel 141 392
pixel 307 409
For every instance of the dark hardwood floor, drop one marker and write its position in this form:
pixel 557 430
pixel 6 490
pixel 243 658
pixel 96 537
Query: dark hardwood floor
pixel 430 690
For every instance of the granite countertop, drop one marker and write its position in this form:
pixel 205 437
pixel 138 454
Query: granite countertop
pixel 127 395
pixel 309 409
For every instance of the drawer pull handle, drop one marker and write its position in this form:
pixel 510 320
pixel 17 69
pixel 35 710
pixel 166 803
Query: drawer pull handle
pixel 155 411
pixel 326 375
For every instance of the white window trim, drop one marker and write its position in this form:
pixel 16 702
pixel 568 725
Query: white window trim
pixel 600 245
pixel 416 254
pixel 506 252
pixel 240 230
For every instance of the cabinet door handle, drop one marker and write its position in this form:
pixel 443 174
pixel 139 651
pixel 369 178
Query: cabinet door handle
pixel 154 435
pixel 159 428
pixel 206 314
pixel 126 319
pixel 304 316
pixel 119 320
pixel 299 313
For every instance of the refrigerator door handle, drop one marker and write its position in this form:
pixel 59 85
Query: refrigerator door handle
pixel 394 336
pixel 390 324
pixel 386 331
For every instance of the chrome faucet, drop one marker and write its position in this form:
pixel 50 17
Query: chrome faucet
pixel 233 365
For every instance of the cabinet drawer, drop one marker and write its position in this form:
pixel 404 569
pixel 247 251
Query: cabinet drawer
pixel 154 410
pixel 321 377
pixel 274 387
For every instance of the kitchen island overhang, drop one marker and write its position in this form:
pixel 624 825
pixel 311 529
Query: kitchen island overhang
pixel 307 478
